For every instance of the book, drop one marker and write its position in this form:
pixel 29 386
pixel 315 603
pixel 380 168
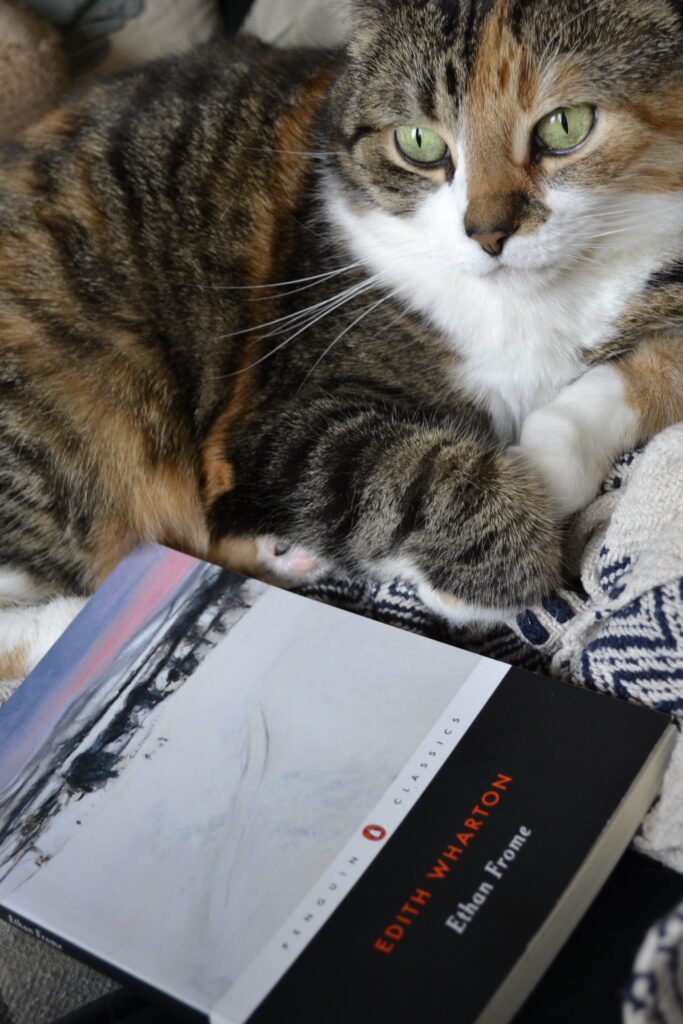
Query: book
pixel 257 807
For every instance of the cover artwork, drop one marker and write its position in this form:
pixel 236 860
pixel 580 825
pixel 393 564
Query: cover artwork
pixel 196 755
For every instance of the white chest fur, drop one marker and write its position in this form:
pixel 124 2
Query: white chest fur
pixel 517 324
pixel 519 343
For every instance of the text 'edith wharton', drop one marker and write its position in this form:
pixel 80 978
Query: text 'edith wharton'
pixel 451 854
pixel 464 913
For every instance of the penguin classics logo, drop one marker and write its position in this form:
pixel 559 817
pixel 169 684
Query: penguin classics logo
pixel 374 833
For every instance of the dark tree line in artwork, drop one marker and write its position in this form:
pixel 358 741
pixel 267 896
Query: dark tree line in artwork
pixel 169 649
pixel 173 660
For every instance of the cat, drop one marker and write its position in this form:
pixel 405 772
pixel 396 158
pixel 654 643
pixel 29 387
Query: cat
pixel 388 309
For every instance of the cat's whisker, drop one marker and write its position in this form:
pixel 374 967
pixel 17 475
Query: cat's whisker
pixel 307 227
pixel 320 153
pixel 593 239
pixel 589 235
pixel 261 359
pixel 298 314
pixel 364 313
pixel 624 214
pixel 614 213
pixel 617 231
pixel 280 284
pixel 616 227
pixel 364 286
pixel 279 346
pixel 302 288
pixel 329 306
pixel 615 217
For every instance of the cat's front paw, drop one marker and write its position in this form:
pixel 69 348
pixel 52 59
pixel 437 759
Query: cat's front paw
pixel 489 547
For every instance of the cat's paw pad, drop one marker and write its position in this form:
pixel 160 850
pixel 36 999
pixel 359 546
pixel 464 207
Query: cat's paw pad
pixel 289 563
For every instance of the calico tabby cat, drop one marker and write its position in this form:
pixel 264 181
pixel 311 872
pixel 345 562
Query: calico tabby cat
pixel 393 309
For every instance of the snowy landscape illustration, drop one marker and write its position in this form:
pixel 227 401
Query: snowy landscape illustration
pixel 190 757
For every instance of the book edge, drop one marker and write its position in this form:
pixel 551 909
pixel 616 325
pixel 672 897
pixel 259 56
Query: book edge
pixel 583 888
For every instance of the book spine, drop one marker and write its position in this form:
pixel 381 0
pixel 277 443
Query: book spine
pixel 28 927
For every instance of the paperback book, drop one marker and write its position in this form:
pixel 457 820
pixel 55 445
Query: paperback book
pixel 254 806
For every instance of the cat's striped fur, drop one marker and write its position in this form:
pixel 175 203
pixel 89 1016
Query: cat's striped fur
pixel 218 320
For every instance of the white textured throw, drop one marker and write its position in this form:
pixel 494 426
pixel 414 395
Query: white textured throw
pixel 299 22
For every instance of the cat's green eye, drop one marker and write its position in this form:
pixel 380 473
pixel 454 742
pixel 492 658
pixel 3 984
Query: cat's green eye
pixel 419 145
pixel 565 128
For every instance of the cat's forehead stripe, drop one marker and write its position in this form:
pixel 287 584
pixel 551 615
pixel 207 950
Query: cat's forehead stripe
pixel 502 84
pixel 501 62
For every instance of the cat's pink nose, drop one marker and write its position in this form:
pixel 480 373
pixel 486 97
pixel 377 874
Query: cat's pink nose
pixel 491 241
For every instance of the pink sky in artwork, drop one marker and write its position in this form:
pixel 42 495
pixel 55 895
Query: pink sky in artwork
pixel 140 586
pixel 159 581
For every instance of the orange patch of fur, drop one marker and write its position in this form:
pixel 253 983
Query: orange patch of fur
pixel 78 196
pixel 501 88
pixel 219 474
pixel 238 554
pixel 289 171
pixel 653 377
pixel 152 503
pixel 14 663
pixel 138 495
pixel 657 179
pixel 55 122
pixel 659 118
pixel 661 110
pixel 222 473
pixel 143 484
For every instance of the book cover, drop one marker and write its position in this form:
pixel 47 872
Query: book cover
pixel 255 805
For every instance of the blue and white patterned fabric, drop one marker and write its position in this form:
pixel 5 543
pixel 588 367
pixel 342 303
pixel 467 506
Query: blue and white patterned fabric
pixel 655 991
